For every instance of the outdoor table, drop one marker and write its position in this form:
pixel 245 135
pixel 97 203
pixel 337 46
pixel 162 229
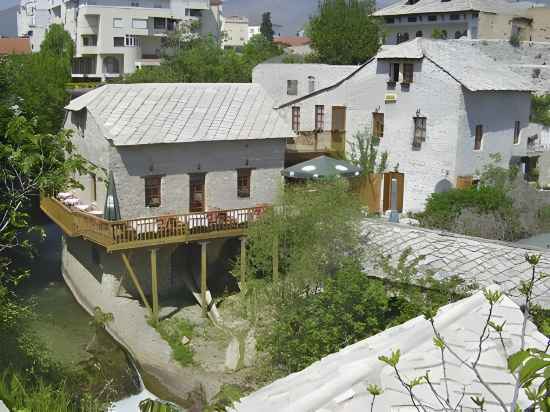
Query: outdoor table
pixel 96 212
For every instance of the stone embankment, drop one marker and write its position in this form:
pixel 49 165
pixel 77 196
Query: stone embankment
pixel 476 260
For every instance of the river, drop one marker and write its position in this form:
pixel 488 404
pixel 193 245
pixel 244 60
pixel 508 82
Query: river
pixel 61 323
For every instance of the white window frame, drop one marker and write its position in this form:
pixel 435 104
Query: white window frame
pixel 118 23
pixel 142 24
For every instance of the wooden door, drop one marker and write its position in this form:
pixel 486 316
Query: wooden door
pixel 338 118
pixel 400 177
pixel 197 196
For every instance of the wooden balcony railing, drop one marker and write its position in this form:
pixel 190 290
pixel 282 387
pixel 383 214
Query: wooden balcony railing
pixel 318 142
pixel 150 231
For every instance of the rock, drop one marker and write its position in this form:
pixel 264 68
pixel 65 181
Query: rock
pixel 3 407
pixel 250 349
pixel 185 340
pixel 232 354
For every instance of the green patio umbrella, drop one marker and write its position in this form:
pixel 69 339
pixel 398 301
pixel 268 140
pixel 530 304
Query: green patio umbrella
pixel 322 166
pixel 112 208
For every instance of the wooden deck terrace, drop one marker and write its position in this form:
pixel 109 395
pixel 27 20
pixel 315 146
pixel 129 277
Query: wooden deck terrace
pixel 150 231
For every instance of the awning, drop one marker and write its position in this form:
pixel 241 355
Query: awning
pixel 112 208
pixel 322 166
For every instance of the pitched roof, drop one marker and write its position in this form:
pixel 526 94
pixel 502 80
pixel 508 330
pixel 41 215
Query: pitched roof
pixel 135 114
pixel 402 7
pixel 292 40
pixel 338 382
pixel 15 45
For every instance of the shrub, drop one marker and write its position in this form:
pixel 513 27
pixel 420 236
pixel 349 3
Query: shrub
pixel 172 331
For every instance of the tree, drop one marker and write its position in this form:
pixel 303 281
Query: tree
pixel 58 44
pixel 439 34
pixel 344 31
pixel 266 28
pixel 540 109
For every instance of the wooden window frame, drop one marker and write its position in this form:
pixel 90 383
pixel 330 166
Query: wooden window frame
pixel 153 191
pixel 394 73
pixel 517 130
pixel 319 117
pixel 420 127
pixel 408 73
pixel 244 183
pixel 93 189
pixel 378 124
pixel 296 118
pixel 292 87
pixel 478 138
pixel 197 179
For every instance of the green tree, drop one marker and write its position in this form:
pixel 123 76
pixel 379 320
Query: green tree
pixel 439 34
pixel 344 31
pixel 266 28
pixel 540 109
pixel 58 44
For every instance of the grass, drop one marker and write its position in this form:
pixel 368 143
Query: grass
pixel 172 331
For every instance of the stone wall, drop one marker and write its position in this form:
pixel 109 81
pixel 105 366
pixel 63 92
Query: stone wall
pixel 473 259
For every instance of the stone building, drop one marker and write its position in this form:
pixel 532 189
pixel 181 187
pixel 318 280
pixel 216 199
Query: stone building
pixel 437 109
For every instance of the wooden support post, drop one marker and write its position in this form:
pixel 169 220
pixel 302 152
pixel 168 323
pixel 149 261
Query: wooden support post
pixel 243 260
pixel 275 259
pixel 135 280
pixel 203 278
pixel 154 284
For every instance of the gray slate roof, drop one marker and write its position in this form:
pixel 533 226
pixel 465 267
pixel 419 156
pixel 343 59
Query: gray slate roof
pixel 136 114
pixel 437 6
pixel 338 382
pixel 466 64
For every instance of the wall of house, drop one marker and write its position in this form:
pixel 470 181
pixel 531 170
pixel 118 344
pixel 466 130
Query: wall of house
pixel 365 93
pixel 541 23
pixel 497 112
pixel 8 22
pixel 219 160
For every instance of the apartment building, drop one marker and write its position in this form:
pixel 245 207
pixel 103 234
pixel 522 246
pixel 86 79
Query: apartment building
pixel 454 19
pixel 235 32
pixel 33 17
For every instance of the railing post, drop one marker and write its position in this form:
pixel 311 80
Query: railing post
pixel 203 278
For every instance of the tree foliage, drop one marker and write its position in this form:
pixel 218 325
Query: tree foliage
pixel 344 31
pixel 59 45
pixel 266 28
pixel 364 153
pixel 201 60
pixel 540 109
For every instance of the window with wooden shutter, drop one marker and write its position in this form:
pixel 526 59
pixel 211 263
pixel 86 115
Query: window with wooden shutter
pixel 378 125
pixel 394 73
pixel 517 127
pixel 319 117
pixel 338 118
pixel 296 118
pixel 479 137
pixel 153 191
pixel 408 69
pixel 197 192
pixel 243 183
pixel 292 87
pixel 419 132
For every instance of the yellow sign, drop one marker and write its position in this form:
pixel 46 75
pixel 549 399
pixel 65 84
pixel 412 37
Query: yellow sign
pixel 390 98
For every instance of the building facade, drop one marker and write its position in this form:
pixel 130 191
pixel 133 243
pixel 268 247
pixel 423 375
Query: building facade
pixel 33 18
pixel 481 19
pixel 433 143
pixel 235 32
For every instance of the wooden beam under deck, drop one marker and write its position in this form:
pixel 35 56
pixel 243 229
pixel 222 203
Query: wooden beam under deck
pixel 154 284
pixel 135 280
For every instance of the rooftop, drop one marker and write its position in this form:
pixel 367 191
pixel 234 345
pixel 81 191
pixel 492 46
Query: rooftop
pixel 15 45
pixel 338 382
pixel 403 7
pixel 292 40
pixel 136 114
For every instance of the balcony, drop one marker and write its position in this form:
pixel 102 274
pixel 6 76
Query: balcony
pixel 318 142
pixel 150 231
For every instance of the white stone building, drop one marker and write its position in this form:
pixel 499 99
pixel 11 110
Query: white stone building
pixel 473 19
pixel 439 112
pixel 235 32
pixel 33 17
pixel 115 37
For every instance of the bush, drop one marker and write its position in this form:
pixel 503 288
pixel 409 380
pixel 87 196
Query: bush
pixel 172 331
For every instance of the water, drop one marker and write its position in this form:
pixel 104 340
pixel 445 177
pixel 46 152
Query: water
pixel 542 241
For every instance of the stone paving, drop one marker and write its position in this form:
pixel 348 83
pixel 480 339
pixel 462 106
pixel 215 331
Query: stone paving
pixel 478 260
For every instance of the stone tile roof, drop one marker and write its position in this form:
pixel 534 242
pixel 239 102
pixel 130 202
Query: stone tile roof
pixel 438 6
pixel 15 45
pixel 338 382
pixel 136 114
pixel 466 64
pixel 292 40
pixel 482 261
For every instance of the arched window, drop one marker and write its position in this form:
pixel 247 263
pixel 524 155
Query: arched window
pixel 311 83
pixel 111 65
pixel 419 33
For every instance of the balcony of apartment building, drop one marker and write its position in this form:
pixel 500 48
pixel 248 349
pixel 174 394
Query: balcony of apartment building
pixel 85 66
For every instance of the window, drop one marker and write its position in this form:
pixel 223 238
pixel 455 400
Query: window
pixel 111 65
pixel 311 83
pixel 118 41
pixel 292 87
pixel 152 191
pixel 117 23
pixel 378 125
pixel 408 69
pixel 432 17
pixel 134 4
pixel 389 20
pixel 517 127
pixel 139 23
pixel 455 17
pixel 196 192
pixel 479 137
pixel 159 23
pixel 419 33
pixel 411 19
pixel 296 118
pixel 419 132
pixel 131 41
pixel 93 187
pixel 402 37
pixel 319 117
pixel 89 40
pixel 394 72
pixel 243 183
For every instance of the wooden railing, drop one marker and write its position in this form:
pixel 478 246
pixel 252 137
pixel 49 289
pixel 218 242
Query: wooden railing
pixel 150 231
pixel 318 141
